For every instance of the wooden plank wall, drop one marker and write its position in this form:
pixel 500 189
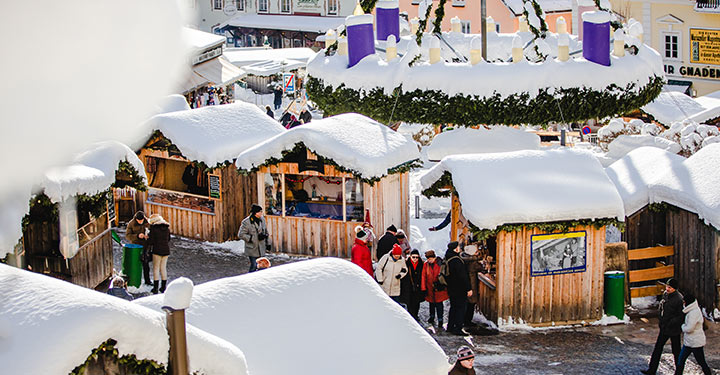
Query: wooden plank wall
pixel 697 255
pixel 239 192
pixel 313 237
pixel 541 300
pixel 487 301
pixel 389 203
pixel 189 224
pixel 93 264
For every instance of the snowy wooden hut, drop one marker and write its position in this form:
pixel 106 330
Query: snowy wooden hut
pixel 546 212
pixel 678 206
pixel 320 180
pixel 481 140
pixel 188 159
pixel 67 232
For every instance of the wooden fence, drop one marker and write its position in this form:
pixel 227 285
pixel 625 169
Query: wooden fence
pixel 661 270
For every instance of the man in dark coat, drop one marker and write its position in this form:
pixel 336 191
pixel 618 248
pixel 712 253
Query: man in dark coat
pixel 458 288
pixel 253 230
pixel 670 322
pixel 386 242
pixel 269 111
pixel 278 92
pixel 305 116
pixel 412 284
pixel 136 233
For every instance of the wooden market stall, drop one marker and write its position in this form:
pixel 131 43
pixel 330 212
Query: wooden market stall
pixel 538 218
pixel 66 233
pixel 188 159
pixel 672 211
pixel 320 180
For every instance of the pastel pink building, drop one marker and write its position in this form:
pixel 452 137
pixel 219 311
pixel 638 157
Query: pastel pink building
pixel 504 12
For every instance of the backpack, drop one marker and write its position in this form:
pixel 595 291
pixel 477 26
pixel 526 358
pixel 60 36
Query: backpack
pixel 444 274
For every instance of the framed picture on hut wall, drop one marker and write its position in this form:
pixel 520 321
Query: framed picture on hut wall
pixel 558 253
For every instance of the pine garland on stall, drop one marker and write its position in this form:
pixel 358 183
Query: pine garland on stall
pixel 125 169
pixel 368 5
pixel 547 227
pixel 129 362
pixel 538 33
pixel 439 15
pixel 422 25
pixel 436 107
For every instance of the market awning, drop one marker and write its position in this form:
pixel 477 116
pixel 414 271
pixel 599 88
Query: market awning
pixel 290 23
pixel 219 71
pixel 194 81
pixel 270 67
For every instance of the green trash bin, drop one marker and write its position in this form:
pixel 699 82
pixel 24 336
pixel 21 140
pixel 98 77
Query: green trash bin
pixel 131 265
pixel 615 294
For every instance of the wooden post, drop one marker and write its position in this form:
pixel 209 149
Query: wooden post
pixel 178 361
pixel 454 216
pixel 344 200
pixel 282 183
pixel 483 28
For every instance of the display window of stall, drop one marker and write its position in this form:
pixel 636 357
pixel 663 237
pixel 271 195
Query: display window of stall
pixel 319 197
pixel 180 183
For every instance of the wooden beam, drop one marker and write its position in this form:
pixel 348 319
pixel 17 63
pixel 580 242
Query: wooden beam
pixel 656 273
pixel 651 252
pixel 646 291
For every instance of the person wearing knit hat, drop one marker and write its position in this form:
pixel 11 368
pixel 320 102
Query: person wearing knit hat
pixel 464 363
pixel 435 293
pixel 403 242
pixel 458 287
pixel 386 242
pixel 389 272
pixel 412 283
pixel 253 230
pixel 670 322
pixel 360 253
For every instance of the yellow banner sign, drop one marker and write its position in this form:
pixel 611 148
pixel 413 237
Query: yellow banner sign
pixel 705 46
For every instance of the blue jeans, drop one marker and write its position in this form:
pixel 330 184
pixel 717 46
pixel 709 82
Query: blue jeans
pixel 436 308
pixel 699 357
pixel 253 264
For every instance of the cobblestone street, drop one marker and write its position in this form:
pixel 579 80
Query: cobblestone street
pixel 616 349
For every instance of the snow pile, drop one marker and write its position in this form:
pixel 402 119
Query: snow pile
pixel 612 319
pixel 420 133
pixel 626 143
pixel 214 134
pixel 344 316
pixel 178 294
pixel 673 106
pixel 71 321
pixel 353 141
pixel 482 140
pixel 691 136
pixel 694 188
pixel 529 187
pixel 234 247
pixel 635 171
pixel 13 207
pixel 173 103
pixel 644 303
pixel 91 172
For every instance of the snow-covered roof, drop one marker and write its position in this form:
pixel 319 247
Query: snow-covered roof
pixel 71 320
pixel 353 141
pixel 173 103
pixel 246 56
pixel 91 171
pixel 482 140
pixel 270 67
pixel 623 144
pixel 672 106
pixel 280 22
pixel 214 134
pixel 634 172
pixel 548 6
pixel 694 187
pixel 201 40
pixel 529 187
pixel 349 318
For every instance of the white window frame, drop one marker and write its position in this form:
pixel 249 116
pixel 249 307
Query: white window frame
pixel 218 5
pixel 289 6
pixel 267 5
pixel 458 3
pixel 678 50
pixel 465 27
pixel 330 7
pixel 240 5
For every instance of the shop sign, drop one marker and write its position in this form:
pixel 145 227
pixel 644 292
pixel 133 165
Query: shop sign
pixel 211 54
pixel 558 253
pixel 705 46
pixel 688 71
pixel 214 186
pixel 308 6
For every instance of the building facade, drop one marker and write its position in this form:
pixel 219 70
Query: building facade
pixel 686 33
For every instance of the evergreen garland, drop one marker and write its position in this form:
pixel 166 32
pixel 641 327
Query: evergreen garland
pixel 540 33
pixel 129 361
pixel 125 169
pixel 368 5
pixel 439 15
pixel 440 187
pixel 548 227
pixel 422 25
pixel 615 24
pixel 436 107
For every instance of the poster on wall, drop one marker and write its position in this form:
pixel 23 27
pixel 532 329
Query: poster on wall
pixel 705 46
pixel 308 6
pixel 214 186
pixel 558 253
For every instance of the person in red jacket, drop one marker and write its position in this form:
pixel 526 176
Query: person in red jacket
pixel 434 297
pixel 360 253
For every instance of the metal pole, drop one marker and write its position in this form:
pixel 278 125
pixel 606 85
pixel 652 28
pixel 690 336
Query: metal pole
pixel 178 361
pixel 483 28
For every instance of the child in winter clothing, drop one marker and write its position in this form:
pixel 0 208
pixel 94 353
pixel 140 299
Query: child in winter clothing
pixel 464 363
pixel 694 337
pixel 360 253
pixel 117 289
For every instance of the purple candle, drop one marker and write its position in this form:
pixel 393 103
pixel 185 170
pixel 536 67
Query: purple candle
pixel 387 19
pixel 596 38
pixel 360 37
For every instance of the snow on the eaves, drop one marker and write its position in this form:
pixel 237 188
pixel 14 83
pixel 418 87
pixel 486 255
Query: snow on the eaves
pixel 242 57
pixel 353 141
pixel 313 317
pixel 49 326
pixel 672 106
pixel 200 40
pixel 91 171
pixel 694 187
pixel 529 187
pixel 214 134
pixel 623 144
pixel 482 140
pixel 173 103
pixel 634 172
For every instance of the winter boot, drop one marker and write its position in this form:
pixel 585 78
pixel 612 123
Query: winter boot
pixel 431 321
pixel 440 323
pixel 155 287
pixel 163 285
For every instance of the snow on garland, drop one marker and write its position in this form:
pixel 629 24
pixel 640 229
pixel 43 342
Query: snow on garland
pixel 684 138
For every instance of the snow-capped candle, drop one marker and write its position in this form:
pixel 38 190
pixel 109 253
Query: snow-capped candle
pixel 517 49
pixel 342 46
pixel 387 19
pixel 619 43
pixel 523 26
pixel 414 25
pixel 329 38
pixel 563 47
pixel 475 50
pixel 561 25
pixel 359 37
pixel 490 25
pixel 390 48
pixel 596 45
pixel 434 50
pixel 455 25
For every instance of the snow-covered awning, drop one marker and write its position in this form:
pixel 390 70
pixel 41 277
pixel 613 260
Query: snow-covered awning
pixel 529 187
pixel 270 67
pixel 193 81
pixel 214 134
pixel 548 6
pixel 219 71
pixel 200 40
pixel 482 140
pixel 242 57
pixel 315 24
pixel 694 187
pixel 355 142
pixel 635 171
pixel 673 106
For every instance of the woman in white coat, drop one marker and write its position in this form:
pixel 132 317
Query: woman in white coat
pixel 694 337
pixel 389 271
